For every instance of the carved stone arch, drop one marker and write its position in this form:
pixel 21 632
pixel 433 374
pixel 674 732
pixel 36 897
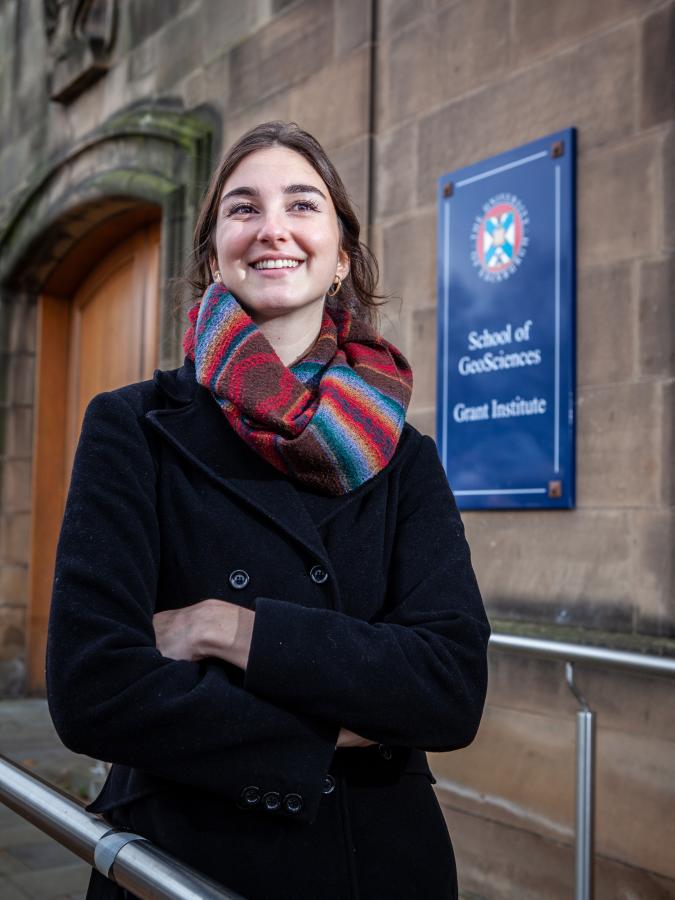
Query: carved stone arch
pixel 145 165
pixel 146 157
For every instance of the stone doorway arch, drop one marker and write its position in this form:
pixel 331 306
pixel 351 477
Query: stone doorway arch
pixel 146 164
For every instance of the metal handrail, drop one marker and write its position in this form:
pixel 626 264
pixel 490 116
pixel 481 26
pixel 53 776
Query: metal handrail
pixel 638 663
pixel 152 874
pixel 127 858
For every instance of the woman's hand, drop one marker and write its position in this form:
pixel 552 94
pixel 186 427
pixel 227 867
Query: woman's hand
pixel 348 738
pixel 209 628
pixel 218 628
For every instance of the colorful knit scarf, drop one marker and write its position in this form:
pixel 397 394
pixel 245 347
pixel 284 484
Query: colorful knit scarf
pixel 332 420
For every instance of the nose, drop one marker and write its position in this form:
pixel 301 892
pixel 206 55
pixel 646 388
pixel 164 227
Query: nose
pixel 272 227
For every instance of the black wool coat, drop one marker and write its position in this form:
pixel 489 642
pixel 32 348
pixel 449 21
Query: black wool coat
pixel 368 616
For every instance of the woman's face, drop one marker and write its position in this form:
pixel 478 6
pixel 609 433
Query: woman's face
pixel 277 237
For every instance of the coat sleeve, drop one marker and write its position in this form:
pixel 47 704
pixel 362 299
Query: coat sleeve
pixel 417 677
pixel 111 693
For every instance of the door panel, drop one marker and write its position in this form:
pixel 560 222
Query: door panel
pixel 113 339
pixel 105 336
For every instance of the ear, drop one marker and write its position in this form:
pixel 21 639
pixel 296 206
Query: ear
pixel 213 265
pixel 343 264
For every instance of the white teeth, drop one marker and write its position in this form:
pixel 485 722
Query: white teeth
pixel 276 264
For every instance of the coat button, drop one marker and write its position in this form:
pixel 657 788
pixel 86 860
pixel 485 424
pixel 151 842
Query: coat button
pixel 271 800
pixel 250 795
pixel 318 574
pixel 293 803
pixel 327 784
pixel 384 751
pixel 239 579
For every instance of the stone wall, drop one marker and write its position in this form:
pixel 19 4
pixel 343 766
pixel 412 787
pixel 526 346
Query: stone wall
pixel 17 367
pixel 443 85
pixel 241 63
pixel 458 82
pixel 246 61
pixel 509 797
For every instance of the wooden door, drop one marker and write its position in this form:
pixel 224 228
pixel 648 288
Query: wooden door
pixel 105 336
pixel 113 328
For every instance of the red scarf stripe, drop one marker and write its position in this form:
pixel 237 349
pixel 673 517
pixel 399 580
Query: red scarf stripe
pixel 374 451
pixel 368 451
pixel 367 408
pixel 281 406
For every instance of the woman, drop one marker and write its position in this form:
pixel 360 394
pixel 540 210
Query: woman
pixel 264 609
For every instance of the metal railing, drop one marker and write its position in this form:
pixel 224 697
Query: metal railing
pixel 585 736
pixel 134 863
pixel 128 859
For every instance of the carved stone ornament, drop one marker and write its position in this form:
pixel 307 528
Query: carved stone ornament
pixel 80 37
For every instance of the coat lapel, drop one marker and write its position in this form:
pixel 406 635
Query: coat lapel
pixel 198 429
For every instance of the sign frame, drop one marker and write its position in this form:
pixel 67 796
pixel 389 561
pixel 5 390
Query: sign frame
pixel 538 486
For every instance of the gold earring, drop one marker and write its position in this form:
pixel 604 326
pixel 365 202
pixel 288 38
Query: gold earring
pixel 335 286
pixel 216 276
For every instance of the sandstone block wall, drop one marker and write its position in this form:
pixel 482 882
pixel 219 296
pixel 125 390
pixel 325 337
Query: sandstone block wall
pixel 242 62
pixel 17 355
pixel 607 567
pixel 400 92
pixel 458 82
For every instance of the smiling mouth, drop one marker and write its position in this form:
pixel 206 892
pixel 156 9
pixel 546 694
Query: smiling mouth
pixel 276 264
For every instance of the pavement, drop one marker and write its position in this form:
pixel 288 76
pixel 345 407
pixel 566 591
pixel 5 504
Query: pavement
pixel 33 866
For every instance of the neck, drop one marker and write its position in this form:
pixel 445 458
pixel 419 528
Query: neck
pixel 291 335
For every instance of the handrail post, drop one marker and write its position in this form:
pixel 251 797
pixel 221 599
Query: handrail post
pixel 585 759
pixel 584 805
pixel 589 654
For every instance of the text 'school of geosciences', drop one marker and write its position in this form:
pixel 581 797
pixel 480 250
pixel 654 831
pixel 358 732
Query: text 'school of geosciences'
pixel 498 361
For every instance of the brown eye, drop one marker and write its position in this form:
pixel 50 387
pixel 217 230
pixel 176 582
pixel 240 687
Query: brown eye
pixel 243 208
pixel 305 205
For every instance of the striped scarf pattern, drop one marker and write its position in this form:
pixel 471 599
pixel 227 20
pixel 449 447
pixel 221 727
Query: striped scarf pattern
pixel 332 420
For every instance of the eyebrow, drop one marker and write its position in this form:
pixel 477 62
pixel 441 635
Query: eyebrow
pixel 289 189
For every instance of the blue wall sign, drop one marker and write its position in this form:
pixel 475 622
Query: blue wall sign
pixel 505 427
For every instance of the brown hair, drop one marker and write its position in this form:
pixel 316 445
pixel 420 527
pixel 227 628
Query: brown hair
pixel 358 289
